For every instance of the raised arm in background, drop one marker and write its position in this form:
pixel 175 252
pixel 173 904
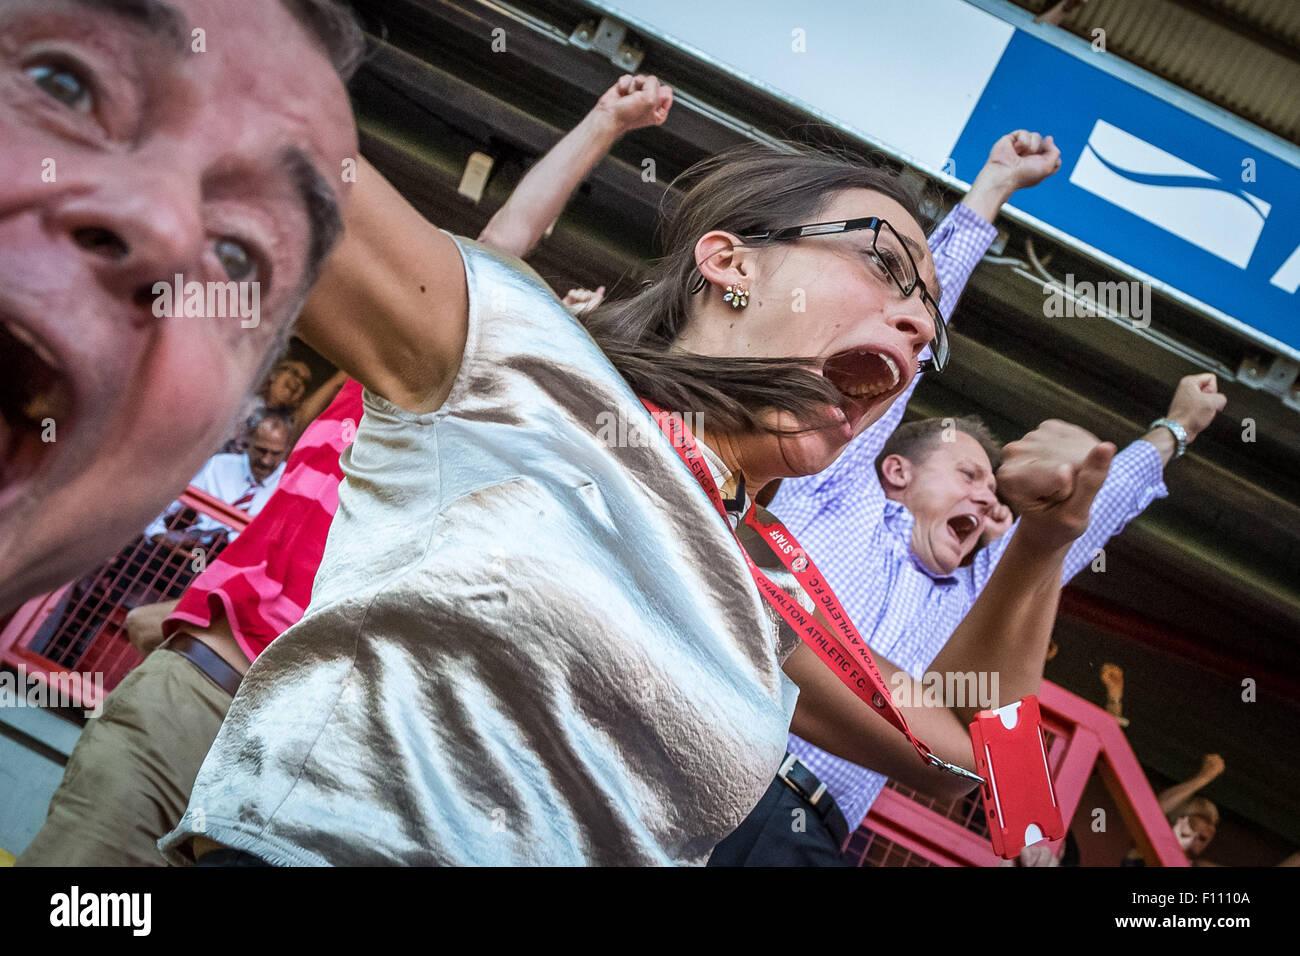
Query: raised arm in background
pixel 1135 478
pixel 1171 799
pixel 317 402
pixel 391 308
pixel 540 197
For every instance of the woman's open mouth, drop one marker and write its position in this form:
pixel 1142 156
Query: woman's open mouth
pixel 35 404
pixel 863 377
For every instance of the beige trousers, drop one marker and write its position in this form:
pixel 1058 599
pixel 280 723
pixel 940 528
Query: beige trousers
pixel 130 775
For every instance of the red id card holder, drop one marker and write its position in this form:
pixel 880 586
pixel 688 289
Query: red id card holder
pixel 1011 756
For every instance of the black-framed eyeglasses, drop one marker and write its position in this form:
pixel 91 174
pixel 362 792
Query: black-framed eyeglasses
pixel 893 254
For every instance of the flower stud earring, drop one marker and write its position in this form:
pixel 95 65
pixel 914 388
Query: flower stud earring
pixel 737 295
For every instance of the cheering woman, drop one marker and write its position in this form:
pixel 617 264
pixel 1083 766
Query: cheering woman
pixel 534 637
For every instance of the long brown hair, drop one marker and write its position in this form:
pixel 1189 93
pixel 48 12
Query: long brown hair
pixel 747 189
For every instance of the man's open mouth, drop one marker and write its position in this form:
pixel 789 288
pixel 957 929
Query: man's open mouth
pixel 35 403
pixel 964 527
pixel 862 377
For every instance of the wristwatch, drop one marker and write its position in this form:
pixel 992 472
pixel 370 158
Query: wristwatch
pixel 1175 429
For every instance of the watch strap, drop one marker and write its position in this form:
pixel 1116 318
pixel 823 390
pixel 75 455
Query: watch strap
pixel 1175 429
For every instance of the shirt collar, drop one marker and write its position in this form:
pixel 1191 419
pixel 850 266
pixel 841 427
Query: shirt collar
pixel 900 522
pixel 719 470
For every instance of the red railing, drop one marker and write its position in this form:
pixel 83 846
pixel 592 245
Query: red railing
pixel 79 629
pixel 905 828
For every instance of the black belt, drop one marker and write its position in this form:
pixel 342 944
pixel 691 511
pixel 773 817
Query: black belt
pixel 805 783
pixel 211 664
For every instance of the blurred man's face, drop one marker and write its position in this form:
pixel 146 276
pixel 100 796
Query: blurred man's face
pixel 287 385
pixel 1194 835
pixel 126 157
pixel 268 447
pixel 950 492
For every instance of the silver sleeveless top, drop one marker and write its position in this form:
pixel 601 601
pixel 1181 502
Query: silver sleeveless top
pixel 531 639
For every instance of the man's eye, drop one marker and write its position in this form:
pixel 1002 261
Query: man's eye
pixel 64 84
pixel 235 260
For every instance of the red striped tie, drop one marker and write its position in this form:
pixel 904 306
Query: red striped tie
pixel 246 500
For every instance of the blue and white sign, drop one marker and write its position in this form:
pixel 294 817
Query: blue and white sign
pixel 1151 185
pixel 1162 189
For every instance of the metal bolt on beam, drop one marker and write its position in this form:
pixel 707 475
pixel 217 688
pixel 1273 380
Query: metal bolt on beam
pixel 1279 377
pixel 609 39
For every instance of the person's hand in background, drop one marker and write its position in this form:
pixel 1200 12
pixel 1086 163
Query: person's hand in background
pixel 996 524
pixel 1018 160
pixel 581 301
pixel 636 101
pixel 1195 403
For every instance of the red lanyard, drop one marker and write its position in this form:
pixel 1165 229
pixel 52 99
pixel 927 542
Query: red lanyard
pixel 842 649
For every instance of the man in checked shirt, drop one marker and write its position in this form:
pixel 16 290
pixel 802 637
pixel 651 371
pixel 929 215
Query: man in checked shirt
pixel 895 523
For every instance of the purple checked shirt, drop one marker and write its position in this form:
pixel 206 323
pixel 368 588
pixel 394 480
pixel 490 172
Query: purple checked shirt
pixel 861 541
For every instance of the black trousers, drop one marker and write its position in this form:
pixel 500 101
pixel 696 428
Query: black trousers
pixel 228 857
pixel 783 830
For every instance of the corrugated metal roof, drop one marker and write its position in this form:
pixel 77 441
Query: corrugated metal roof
pixel 1242 55
pixel 1279 18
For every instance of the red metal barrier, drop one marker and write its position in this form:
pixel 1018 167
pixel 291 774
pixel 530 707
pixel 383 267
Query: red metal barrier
pixel 905 828
pixel 80 627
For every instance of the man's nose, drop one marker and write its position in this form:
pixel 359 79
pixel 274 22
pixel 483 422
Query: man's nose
pixel 137 231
